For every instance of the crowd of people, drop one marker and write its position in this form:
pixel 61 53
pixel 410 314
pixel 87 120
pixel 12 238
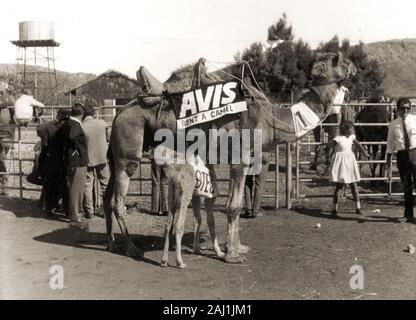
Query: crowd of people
pixel 73 155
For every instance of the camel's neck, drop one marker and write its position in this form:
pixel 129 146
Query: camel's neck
pixel 289 124
pixel 320 98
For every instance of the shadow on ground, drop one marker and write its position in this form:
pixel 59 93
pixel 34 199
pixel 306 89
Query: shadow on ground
pixel 21 208
pixel 344 216
pixel 98 242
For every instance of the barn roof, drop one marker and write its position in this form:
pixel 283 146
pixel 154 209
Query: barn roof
pixel 110 72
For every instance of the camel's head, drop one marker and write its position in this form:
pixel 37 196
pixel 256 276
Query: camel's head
pixel 332 68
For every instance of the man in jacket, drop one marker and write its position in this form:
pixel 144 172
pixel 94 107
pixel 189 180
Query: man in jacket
pixel 51 165
pixel 75 152
pixel 96 132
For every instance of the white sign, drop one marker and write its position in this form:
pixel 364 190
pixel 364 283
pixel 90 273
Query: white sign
pixel 209 103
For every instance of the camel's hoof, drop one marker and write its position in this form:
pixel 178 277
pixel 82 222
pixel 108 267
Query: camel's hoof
pixel 164 264
pixel 235 259
pixel 220 254
pixel 133 252
pixel 243 249
pixel 180 265
pixel 111 247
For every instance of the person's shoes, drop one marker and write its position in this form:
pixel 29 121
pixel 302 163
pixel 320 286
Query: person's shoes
pixel 99 211
pixel 48 214
pixel 257 214
pixel 248 214
pixel 334 213
pixel 80 225
pixel 163 214
pixel 406 220
pixel 410 220
pixel 88 216
pixel 358 211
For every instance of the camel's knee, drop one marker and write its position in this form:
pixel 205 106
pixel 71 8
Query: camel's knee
pixel 119 209
pixel 233 211
pixel 131 168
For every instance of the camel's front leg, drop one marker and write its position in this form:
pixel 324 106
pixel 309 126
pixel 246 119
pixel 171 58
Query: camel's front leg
pixel 234 204
pixel 179 223
pixel 196 207
pixel 168 232
pixel 209 207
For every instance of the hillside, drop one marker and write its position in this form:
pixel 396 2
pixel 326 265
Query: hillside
pixel 398 61
pixel 66 80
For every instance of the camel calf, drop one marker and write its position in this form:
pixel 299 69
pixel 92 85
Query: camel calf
pixel 182 181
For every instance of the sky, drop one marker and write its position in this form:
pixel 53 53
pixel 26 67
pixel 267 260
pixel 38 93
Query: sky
pixel 163 35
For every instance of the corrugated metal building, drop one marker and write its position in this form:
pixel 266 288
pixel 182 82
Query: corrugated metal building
pixel 111 88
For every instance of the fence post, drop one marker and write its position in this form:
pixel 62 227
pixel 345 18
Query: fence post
pixel 276 183
pixel 390 173
pixel 297 169
pixel 19 158
pixel 288 175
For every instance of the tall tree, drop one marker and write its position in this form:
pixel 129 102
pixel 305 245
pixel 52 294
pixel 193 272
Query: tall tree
pixel 285 71
pixel 369 79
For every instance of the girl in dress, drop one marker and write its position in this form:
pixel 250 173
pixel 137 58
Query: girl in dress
pixel 344 167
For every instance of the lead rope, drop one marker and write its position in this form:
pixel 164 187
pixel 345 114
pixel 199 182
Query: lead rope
pixel 255 98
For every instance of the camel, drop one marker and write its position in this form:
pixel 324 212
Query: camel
pixel 181 188
pixel 135 124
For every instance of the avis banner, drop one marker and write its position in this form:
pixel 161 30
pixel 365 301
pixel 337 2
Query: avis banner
pixel 208 103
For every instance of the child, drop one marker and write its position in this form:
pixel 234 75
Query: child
pixel 344 168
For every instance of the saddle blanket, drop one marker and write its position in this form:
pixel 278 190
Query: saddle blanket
pixel 205 186
pixel 304 119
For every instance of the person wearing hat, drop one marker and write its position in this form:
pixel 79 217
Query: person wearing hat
pixel 402 138
pixel 75 155
pixel 51 166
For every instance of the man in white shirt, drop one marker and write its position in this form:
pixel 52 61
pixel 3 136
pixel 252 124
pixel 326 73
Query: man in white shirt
pixel 23 107
pixel 402 138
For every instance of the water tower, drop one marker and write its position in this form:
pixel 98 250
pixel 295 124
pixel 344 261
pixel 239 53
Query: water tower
pixel 35 58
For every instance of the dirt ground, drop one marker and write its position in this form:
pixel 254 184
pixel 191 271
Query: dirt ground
pixel 290 257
